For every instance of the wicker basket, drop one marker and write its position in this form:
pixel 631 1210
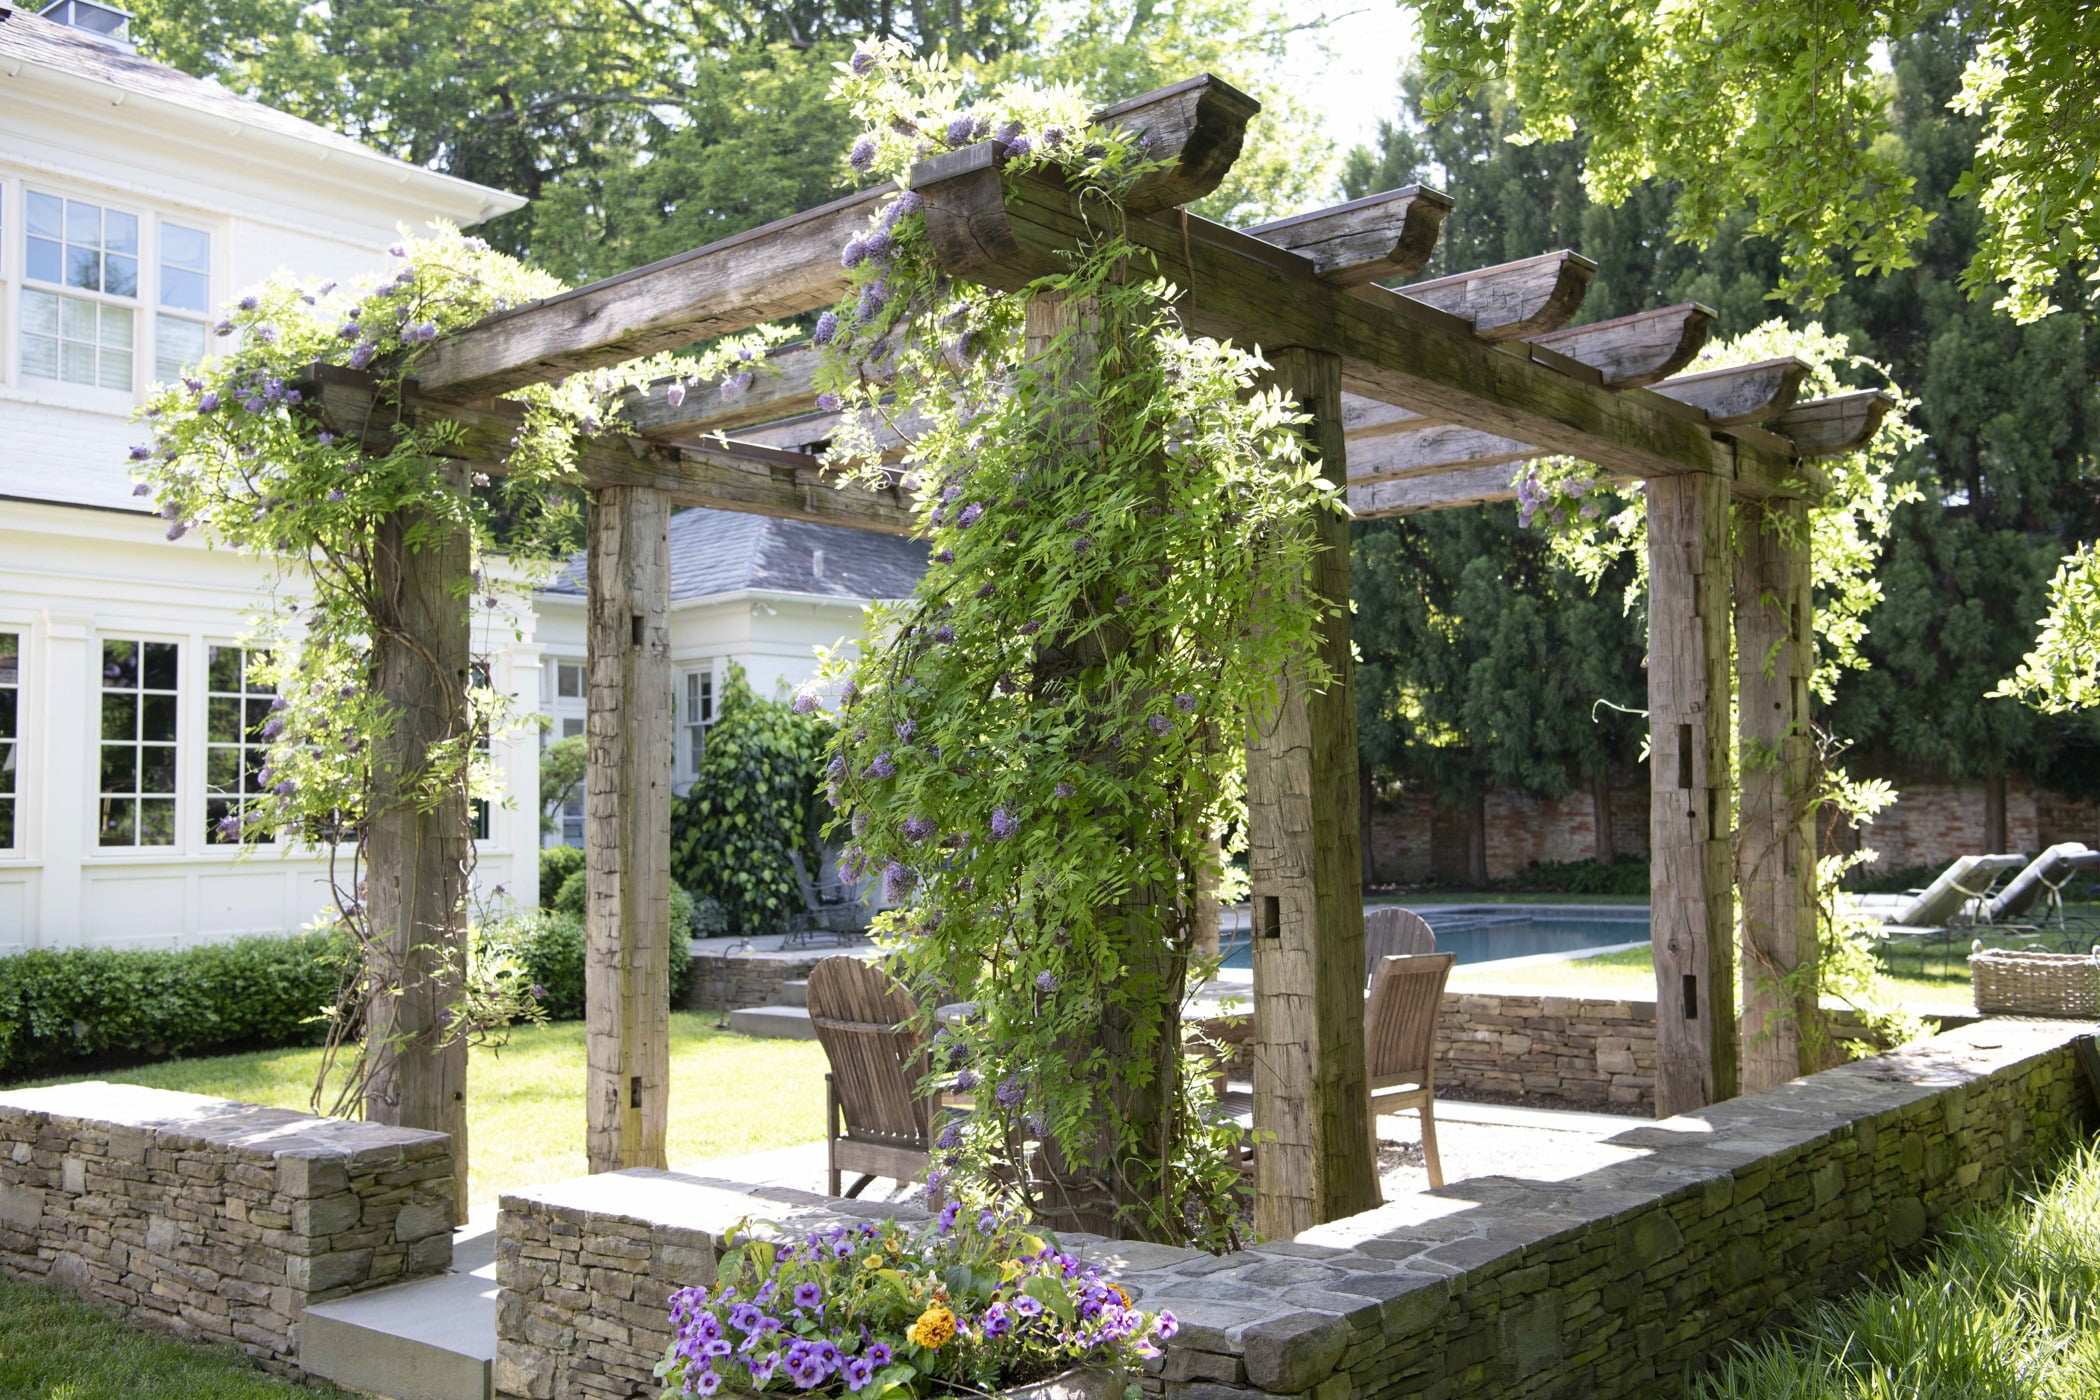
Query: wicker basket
pixel 2013 983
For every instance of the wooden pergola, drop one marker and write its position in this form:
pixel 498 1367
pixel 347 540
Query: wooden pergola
pixel 1427 397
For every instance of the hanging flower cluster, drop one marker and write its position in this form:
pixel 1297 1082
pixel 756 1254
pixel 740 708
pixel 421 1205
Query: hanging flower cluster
pixel 1041 746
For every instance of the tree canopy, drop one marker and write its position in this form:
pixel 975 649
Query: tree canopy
pixel 1779 107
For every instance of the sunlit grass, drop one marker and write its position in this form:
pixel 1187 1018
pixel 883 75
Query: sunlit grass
pixel 2008 1308
pixel 54 1347
pixel 730 1094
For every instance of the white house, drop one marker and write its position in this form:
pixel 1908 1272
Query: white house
pixel 135 200
pixel 746 590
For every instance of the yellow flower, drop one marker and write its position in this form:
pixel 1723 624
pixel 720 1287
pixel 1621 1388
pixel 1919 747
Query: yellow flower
pixel 934 1329
pixel 872 1262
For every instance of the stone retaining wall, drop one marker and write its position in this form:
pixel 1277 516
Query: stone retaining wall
pixel 217 1221
pixel 1574 1051
pixel 730 981
pixel 1613 1283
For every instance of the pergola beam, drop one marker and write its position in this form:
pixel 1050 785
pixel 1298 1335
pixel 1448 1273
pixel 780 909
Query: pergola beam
pixel 1515 300
pixel 1432 451
pixel 1476 486
pixel 1629 351
pixel 1752 393
pixel 1832 426
pixel 782 383
pixel 1366 240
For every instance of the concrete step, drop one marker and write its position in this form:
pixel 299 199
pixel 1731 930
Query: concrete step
pixel 774 1022
pixel 794 993
pixel 430 1339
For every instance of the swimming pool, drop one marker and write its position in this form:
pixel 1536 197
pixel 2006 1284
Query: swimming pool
pixel 1491 932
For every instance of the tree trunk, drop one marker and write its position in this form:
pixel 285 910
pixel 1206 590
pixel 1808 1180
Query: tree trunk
pixel 1313 1159
pixel 627 831
pixel 1689 699
pixel 1606 846
pixel 1783 1031
pixel 417 852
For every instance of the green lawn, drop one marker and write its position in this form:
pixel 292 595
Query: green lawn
pixel 1922 988
pixel 2004 1310
pixel 53 1347
pixel 730 1094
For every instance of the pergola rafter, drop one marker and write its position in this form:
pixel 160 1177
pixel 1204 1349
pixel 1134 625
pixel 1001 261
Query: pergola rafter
pixel 1435 391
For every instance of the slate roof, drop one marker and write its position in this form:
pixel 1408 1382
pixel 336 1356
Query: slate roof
pixel 29 38
pixel 720 551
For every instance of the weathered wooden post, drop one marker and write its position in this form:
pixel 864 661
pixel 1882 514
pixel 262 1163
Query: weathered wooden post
pixel 1776 854
pixel 1692 901
pixel 1303 857
pixel 416 850
pixel 627 830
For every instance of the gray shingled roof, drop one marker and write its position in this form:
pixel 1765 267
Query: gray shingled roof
pixel 719 551
pixel 49 44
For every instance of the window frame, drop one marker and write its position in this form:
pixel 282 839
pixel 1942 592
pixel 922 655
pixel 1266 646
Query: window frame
pixel 13 751
pixel 690 732
pixel 175 794
pixel 249 741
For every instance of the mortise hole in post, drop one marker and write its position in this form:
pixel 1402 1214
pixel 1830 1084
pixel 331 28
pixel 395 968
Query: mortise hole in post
pixel 1691 997
pixel 1271 916
pixel 637 629
pixel 634 1092
pixel 1684 755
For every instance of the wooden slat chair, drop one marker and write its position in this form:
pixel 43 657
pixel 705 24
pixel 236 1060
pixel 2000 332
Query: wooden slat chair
pixel 875 1121
pixel 1400 1015
pixel 835 910
pixel 1390 931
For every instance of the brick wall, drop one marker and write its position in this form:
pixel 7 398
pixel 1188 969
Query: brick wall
pixel 1613 1283
pixel 1414 839
pixel 216 1221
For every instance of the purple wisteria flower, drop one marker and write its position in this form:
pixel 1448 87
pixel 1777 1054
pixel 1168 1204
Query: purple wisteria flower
pixel 897 881
pixel 907 727
pixel 141 451
pixel 248 303
pixel 335 496
pixel 960 129
pixel 1031 627
pixel 805 702
pixel 853 254
pixel 945 556
pixel 1185 703
pixel 827 327
pixel 141 489
pixel 675 395
pixel 1046 981
pixel 827 402
pixel 971 514
pixel 1009 1091
pixel 917 828
pixel 880 246
pixel 208 403
pixel 1159 724
pixel 1063 790
pixel 860 823
pixel 178 530
pixel 944 634
pixel 420 332
pixel 951 1136
pixel 883 767
pixel 359 357
pixel 965 1081
pixel 1019 148
pixel 1004 823
pixel 862 61
pixel 862 156
pixel 910 202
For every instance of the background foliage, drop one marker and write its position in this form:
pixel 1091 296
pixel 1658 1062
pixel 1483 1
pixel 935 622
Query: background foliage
pixel 755 798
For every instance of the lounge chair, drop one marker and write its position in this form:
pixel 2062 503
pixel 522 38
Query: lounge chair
pixel 1390 931
pixel 876 1122
pixel 1960 891
pixel 2044 876
pixel 1400 1016
pixel 834 911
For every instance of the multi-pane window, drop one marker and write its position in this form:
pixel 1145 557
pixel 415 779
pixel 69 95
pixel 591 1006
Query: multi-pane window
pixel 568 680
pixel 10 732
pixel 236 714
pixel 139 728
pixel 185 296
pixel 696 711
pixel 83 333
pixel 479 811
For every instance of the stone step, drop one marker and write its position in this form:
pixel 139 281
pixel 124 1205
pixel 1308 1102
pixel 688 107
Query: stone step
pixel 773 1022
pixel 794 992
pixel 431 1339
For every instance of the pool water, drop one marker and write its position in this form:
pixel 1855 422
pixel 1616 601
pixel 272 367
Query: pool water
pixel 1491 932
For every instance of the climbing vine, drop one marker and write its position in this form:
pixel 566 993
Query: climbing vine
pixel 249 451
pixel 1037 751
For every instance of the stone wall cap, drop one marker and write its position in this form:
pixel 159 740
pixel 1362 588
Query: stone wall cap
pixel 264 1132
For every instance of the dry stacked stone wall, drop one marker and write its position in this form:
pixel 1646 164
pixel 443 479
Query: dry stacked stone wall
pixel 730 981
pixel 1614 1283
pixel 217 1221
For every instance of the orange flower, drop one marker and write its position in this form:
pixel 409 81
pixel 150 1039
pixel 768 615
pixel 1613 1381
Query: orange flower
pixel 934 1329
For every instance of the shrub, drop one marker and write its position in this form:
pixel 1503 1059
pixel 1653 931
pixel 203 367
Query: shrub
pixel 57 1006
pixel 557 864
pixel 1626 875
pixel 754 799
pixel 549 946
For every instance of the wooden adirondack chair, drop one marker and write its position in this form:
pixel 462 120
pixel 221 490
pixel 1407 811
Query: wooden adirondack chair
pixel 875 1121
pixel 1400 1014
pixel 1390 931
